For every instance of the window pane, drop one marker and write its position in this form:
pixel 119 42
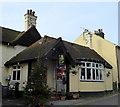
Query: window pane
pixel 61 59
pixel 101 65
pixel 88 64
pixel 14 67
pixel 101 77
pixel 82 64
pixel 93 74
pixel 18 75
pixel 14 75
pixel 93 64
pixel 82 73
pixel 96 65
pixel 97 74
pixel 18 67
pixel 88 73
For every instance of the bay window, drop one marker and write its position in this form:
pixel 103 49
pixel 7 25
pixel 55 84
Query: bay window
pixel 91 71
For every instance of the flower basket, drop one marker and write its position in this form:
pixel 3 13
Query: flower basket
pixel 74 72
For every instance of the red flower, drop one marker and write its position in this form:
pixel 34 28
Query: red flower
pixel 33 100
pixel 42 106
pixel 54 90
pixel 33 68
pixel 46 58
pixel 45 90
pixel 40 74
pixel 34 88
pixel 59 75
pixel 44 65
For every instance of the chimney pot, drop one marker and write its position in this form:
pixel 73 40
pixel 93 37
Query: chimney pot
pixel 30 12
pixel 33 13
pixel 99 30
pixel 27 11
pixel 100 33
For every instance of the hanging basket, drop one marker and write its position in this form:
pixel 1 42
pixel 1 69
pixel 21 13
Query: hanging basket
pixel 74 72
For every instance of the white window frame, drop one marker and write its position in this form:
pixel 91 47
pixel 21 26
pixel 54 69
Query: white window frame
pixel 100 69
pixel 16 70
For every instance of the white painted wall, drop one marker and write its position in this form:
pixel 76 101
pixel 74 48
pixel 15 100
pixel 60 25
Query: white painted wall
pixel 7 53
pixel 23 75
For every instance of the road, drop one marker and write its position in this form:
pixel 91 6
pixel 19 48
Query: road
pixel 106 100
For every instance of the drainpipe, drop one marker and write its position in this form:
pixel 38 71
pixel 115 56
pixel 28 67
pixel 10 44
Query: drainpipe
pixel 79 78
pixel 112 77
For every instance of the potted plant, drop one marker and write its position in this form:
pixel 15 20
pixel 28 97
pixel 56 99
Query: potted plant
pixel 63 96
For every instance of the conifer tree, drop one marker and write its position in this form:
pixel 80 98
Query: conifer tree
pixel 37 90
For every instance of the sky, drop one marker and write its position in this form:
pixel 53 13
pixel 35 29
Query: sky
pixel 64 19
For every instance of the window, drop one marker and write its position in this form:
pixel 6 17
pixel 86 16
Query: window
pixel 16 72
pixel 82 73
pixel 91 71
pixel 88 73
pixel 61 59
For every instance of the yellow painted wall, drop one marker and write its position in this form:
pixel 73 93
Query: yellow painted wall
pixel 85 86
pixel 51 79
pixel 104 48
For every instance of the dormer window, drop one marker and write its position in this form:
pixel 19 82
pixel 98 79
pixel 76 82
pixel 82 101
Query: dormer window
pixel 91 71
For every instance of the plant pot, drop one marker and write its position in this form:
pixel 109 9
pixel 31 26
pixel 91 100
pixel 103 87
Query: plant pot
pixel 75 96
pixel 55 98
pixel 62 98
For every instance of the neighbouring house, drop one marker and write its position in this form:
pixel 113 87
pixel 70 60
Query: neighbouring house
pixel 13 42
pixel 109 51
pixel 118 63
pixel 84 69
pixel 71 67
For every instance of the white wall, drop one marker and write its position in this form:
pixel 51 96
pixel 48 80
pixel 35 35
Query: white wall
pixel 23 75
pixel 7 53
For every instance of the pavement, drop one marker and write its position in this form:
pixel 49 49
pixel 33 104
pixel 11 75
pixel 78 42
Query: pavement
pixel 14 102
pixel 90 100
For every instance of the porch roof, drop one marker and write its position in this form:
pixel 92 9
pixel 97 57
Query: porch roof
pixel 46 44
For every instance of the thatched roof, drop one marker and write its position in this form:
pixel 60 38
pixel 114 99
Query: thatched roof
pixel 46 45
pixel 14 37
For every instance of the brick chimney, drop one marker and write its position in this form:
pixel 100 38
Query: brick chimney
pixel 30 19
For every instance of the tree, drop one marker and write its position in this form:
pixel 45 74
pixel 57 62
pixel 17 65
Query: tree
pixel 37 90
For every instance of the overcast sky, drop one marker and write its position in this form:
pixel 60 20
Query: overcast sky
pixel 64 19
